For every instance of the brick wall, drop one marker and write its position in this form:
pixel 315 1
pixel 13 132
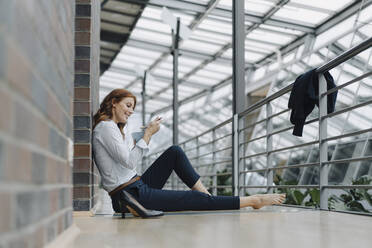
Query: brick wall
pixel 36 125
pixel 85 174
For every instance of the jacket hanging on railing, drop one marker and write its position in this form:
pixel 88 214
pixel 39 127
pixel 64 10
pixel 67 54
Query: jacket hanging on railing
pixel 304 97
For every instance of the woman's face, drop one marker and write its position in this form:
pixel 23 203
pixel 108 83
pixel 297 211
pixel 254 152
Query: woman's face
pixel 122 110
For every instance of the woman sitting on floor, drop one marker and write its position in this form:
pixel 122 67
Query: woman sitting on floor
pixel 117 156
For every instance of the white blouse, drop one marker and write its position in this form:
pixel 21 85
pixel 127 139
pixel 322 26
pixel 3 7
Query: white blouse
pixel 116 157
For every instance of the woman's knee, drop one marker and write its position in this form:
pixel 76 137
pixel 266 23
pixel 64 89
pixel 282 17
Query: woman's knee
pixel 175 149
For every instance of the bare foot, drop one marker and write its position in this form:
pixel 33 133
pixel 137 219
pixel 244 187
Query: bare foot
pixel 258 201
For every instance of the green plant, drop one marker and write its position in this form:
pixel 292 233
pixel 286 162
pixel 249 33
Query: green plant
pixel 297 197
pixel 223 180
pixel 351 199
pixel 314 200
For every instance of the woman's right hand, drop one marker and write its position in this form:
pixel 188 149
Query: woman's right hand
pixel 153 126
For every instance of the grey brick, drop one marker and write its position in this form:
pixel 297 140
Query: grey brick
pixel 3 245
pixel 64 198
pixel 53 140
pixel 18 242
pixel 62 147
pixel 62 11
pixel 69 127
pixel 39 95
pixel 82 52
pixel 81 178
pixel 82 136
pixel 2 159
pixel 63 97
pixel 3 54
pixel 57 143
pixel 83 10
pixel 51 230
pixel 30 46
pixel 30 208
pixel 81 122
pixel 81 205
pixel 25 124
pixel 82 80
pixel 7 10
pixel 68 219
pixel 38 168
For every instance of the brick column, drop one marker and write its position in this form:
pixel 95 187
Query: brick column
pixel 36 91
pixel 85 175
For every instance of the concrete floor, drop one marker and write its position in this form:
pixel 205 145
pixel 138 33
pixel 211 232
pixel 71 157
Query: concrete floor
pixel 268 227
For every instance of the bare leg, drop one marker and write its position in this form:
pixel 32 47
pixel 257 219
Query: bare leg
pixel 198 186
pixel 258 201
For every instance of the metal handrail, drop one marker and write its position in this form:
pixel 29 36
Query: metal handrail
pixel 364 45
pixel 321 69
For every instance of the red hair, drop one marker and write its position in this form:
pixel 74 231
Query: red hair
pixel 105 109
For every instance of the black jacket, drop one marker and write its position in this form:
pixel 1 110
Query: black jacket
pixel 304 97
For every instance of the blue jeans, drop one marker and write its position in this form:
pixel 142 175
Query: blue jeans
pixel 148 190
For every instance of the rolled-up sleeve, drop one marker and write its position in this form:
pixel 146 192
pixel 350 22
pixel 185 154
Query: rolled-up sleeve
pixel 113 141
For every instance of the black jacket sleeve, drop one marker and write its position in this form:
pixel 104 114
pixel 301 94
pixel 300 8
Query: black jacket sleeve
pixel 300 104
pixel 304 97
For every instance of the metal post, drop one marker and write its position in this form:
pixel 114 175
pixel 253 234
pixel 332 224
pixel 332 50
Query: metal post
pixel 269 148
pixel 238 83
pixel 175 37
pixel 240 154
pixel 214 169
pixel 144 111
pixel 323 146
pixel 198 156
pixel 235 145
pixel 144 99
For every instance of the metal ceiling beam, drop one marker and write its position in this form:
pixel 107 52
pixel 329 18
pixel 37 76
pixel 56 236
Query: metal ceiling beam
pixel 197 95
pixel 298 41
pixel 167 34
pixel 284 50
pixel 113 37
pixel 332 21
pixel 107 49
pixel 249 16
pixel 151 46
pixel 192 72
pixel 115 23
pixel 342 15
pixel 270 13
pixel 212 4
pixel 117 12
pixel 116 38
pixel 160 78
pixel 201 16
pixel 312 8
pixel 219 53
pixel 219 44
pixel 103 3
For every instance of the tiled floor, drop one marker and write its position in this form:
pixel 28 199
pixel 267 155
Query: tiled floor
pixel 267 227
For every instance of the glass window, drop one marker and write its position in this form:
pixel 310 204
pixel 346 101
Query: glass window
pixel 300 15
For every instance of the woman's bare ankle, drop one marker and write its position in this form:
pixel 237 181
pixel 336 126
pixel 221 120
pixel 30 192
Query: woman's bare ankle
pixel 258 201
